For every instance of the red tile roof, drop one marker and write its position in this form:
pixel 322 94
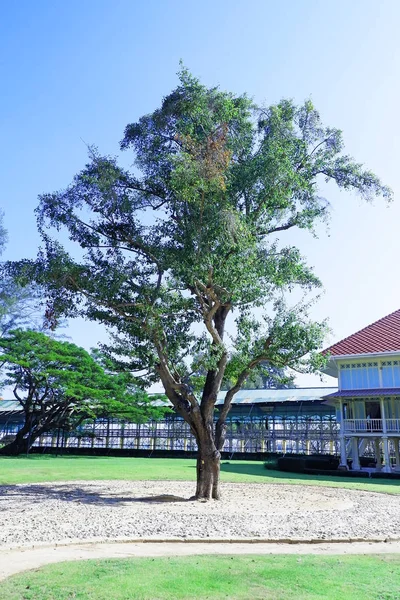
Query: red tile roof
pixel 381 336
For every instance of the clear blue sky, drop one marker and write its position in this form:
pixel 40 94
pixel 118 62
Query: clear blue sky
pixel 81 70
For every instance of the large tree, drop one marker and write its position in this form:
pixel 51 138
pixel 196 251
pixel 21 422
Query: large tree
pixel 19 305
pixel 187 246
pixel 59 384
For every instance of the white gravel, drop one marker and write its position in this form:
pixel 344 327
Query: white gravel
pixel 48 513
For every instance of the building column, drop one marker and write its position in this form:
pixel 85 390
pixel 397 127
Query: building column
pixel 356 459
pixel 383 416
pixel 396 451
pixel 122 434
pixel 343 454
pixel 308 447
pixel 339 413
pixel 297 435
pixel 378 454
pixel 342 439
pixel 387 468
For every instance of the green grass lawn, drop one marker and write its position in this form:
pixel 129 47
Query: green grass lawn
pixel 39 468
pixel 279 577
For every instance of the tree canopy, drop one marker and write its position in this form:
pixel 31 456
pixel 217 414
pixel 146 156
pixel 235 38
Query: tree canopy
pixel 266 377
pixel 59 384
pixel 184 257
pixel 19 306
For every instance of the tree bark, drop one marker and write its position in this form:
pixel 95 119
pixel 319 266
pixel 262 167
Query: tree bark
pixel 31 430
pixel 208 471
pixel 21 444
pixel 220 433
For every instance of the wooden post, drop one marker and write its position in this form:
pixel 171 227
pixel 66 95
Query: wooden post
pixel 343 453
pixel 342 439
pixel 383 416
pixel 108 434
pixel 356 459
pixel 387 468
pixel 154 437
pixel 138 437
pixel 122 436
pixel 377 449
pixel 396 453
pixel 93 432
pixel 230 435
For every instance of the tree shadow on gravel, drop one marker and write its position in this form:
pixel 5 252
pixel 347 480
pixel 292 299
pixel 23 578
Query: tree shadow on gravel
pixel 79 495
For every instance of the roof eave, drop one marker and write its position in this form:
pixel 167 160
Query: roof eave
pixel 366 354
pixel 332 369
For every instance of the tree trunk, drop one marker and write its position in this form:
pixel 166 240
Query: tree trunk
pixel 21 445
pixel 220 433
pixel 208 472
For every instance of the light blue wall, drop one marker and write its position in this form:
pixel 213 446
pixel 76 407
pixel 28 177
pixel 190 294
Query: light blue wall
pixel 359 376
pixel 390 373
pixel 369 375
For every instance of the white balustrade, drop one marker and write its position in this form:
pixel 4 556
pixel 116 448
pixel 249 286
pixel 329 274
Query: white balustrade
pixel 362 425
pixel 371 425
pixel 392 425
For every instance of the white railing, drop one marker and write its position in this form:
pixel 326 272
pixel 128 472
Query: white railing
pixel 371 425
pixel 392 425
pixel 363 425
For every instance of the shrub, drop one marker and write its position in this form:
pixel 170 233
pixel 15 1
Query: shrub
pixel 298 464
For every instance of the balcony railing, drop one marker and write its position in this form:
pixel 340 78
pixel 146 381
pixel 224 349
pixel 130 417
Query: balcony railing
pixel 392 425
pixel 371 425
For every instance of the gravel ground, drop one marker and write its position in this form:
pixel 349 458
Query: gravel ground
pixel 34 514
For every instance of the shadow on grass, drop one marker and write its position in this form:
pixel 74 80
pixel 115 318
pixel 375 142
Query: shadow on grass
pixel 46 457
pixel 259 470
pixel 79 495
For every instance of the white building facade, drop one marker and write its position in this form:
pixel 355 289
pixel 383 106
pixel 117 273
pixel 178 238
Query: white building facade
pixel 367 365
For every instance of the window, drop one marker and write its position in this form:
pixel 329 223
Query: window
pixel 359 376
pixel 390 373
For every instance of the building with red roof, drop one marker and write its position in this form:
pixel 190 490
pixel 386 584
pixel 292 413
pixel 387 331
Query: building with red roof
pixel 381 336
pixel 367 365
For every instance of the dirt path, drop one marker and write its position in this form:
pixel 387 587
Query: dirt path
pixel 17 560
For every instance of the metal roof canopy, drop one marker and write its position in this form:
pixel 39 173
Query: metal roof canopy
pixel 243 397
pixel 271 396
